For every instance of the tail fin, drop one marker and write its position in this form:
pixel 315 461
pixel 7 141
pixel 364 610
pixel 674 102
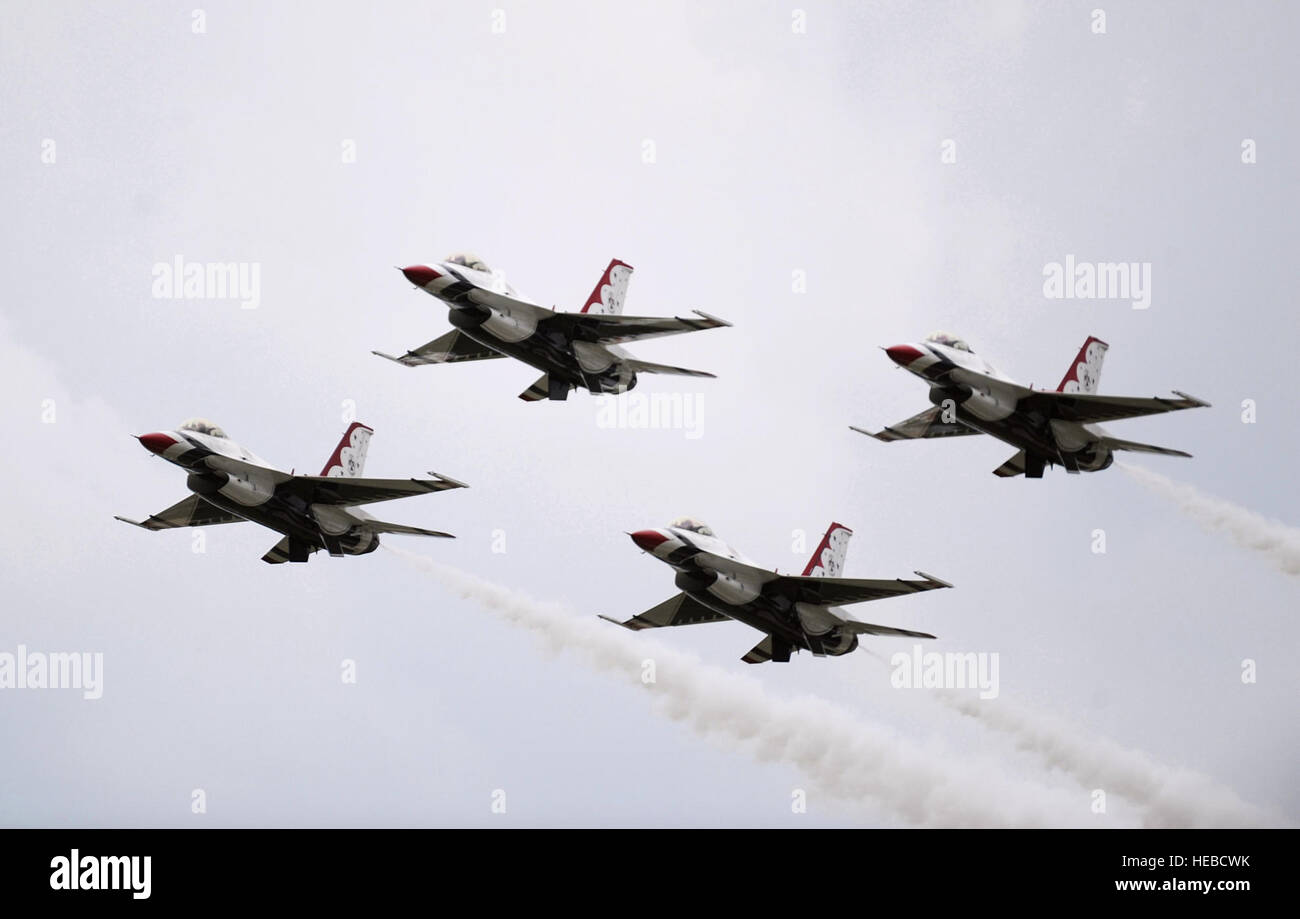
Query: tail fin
pixel 1085 373
pixel 349 457
pixel 611 290
pixel 828 560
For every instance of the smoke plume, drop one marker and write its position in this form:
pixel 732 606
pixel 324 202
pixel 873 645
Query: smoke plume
pixel 853 760
pixel 1277 541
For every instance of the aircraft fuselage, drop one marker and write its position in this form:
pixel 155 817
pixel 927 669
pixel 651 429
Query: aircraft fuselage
pixel 733 593
pixel 255 495
pixel 968 386
pixel 546 344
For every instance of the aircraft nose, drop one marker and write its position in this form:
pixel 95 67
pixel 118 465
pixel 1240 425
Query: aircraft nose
pixel 648 540
pixel 902 355
pixel 156 443
pixel 420 275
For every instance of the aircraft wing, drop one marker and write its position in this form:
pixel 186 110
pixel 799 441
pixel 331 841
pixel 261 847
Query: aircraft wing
pixel 819 590
pixel 928 423
pixel 843 591
pixel 614 329
pixel 348 491
pixel 341 490
pixel 679 610
pixel 451 348
pixel 188 512
pixel 1085 408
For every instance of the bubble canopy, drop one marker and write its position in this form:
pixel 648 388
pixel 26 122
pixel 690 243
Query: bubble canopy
pixel 203 426
pixel 470 261
pixel 949 341
pixel 692 525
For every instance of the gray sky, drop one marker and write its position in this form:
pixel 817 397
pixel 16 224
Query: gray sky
pixel 775 151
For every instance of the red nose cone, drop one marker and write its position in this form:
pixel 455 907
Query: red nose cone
pixel 902 354
pixel 649 540
pixel 156 443
pixel 420 275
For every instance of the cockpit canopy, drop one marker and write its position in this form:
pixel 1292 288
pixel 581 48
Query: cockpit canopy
pixel 692 525
pixel 950 341
pixel 470 261
pixel 203 426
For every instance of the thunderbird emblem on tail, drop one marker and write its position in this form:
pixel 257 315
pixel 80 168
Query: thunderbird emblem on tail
pixel 573 350
pixel 231 485
pixel 1047 428
pixel 797 613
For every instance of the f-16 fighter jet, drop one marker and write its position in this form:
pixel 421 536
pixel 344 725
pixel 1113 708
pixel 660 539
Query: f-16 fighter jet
pixel 1046 428
pixel 717 584
pixel 573 350
pixel 230 485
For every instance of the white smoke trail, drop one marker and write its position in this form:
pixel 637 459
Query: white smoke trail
pixel 1276 540
pixel 1167 797
pixel 848 758
pixel 1164 796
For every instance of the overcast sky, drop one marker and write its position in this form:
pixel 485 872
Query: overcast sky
pixel 720 148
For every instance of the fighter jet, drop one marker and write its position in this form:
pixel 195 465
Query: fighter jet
pixel 797 612
pixel 1046 428
pixel 230 485
pixel 573 350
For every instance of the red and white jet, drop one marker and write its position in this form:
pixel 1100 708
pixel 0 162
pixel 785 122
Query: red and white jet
pixel 231 485
pixel 717 583
pixel 573 350
pixel 970 396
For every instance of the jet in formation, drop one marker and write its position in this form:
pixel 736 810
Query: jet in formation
pixel 229 485
pixel 803 612
pixel 573 350
pixel 1047 428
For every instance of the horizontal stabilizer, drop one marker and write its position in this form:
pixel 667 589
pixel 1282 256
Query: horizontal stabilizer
pixel 383 526
pixel 867 628
pixel 1116 444
pixel 647 367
